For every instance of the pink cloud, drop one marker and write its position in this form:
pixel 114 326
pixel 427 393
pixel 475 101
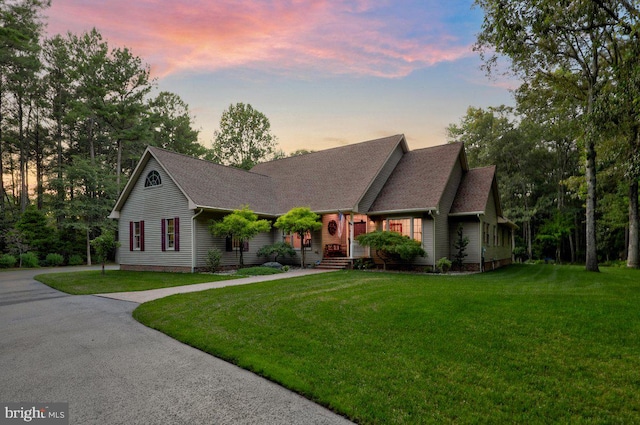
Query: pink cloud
pixel 288 36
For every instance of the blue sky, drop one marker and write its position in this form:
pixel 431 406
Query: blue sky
pixel 325 73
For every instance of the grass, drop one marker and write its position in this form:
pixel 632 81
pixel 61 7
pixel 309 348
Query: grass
pixel 257 271
pixel 93 282
pixel 526 344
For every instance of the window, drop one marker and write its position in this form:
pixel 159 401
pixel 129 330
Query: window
pixel 136 236
pixel 495 236
pixel 171 234
pixel 153 179
pixel 411 227
pixel 417 229
pixel 486 233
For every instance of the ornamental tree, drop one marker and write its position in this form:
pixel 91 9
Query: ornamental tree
pixel 299 220
pixel 104 245
pixel 242 225
pixel 392 246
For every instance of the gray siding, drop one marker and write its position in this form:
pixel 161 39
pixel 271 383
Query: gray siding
pixel 497 248
pixel 471 230
pixel 428 241
pixel 442 219
pixel 382 177
pixel 206 241
pixel 152 205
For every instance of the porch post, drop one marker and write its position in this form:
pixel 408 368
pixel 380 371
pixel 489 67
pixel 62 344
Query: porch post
pixel 351 235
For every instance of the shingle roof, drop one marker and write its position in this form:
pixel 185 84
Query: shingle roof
pixel 217 186
pixel 419 180
pixel 331 179
pixel 473 192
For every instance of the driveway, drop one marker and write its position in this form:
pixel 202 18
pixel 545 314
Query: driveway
pixel 88 351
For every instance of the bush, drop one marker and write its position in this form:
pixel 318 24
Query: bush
pixel 214 257
pixel 278 249
pixel 444 264
pixel 29 260
pixel 75 260
pixel 363 263
pixel 54 260
pixel 7 261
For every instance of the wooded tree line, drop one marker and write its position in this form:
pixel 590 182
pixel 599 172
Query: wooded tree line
pixel 568 154
pixel 75 116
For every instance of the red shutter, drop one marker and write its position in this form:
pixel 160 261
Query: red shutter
pixel 142 235
pixel 163 235
pixel 131 236
pixel 176 233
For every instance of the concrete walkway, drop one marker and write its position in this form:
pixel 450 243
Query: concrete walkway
pixel 153 294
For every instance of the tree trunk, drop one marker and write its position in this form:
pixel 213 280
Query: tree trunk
pixel 24 190
pixel 119 165
pixel 633 254
pixel 2 211
pixel 88 247
pixel 591 262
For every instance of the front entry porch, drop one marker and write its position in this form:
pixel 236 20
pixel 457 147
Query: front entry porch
pixel 338 239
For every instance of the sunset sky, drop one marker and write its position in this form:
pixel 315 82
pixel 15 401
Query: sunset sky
pixel 326 73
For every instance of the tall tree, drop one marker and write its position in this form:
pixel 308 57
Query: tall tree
pixel 171 125
pixel 244 138
pixel 20 62
pixel 566 44
pixel 128 84
pixel 58 80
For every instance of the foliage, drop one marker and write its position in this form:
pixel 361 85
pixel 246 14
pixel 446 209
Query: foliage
pixel 278 249
pixel 300 221
pixel 444 264
pixel 171 125
pixel 363 263
pixel 574 51
pixel 29 260
pixel 104 245
pixel 366 343
pixel 242 225
pixel 460 245
pixel 392 246
pixel 75 260
pixel 54 259
pixel 214 258
pixel 7 261
pixel 244 138
pixel 35 230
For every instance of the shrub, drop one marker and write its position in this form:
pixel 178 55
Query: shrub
pixel 363 264
pixel 444 264
pixel 278 249
pixel 75 260
pixel 214 257
pixel 460 245
pixel 7 261
pixel 29 260
pixel 54 260
pixel 392 246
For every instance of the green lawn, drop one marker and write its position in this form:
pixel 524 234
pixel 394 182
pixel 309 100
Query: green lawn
pixel 526 344
pixel 93 282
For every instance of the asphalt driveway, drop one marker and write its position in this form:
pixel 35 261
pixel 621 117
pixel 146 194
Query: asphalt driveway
pixel 88 351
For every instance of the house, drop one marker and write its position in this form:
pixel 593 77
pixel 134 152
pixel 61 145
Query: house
pixel 165 208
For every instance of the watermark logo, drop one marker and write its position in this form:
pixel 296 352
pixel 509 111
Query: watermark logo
pixel 34 413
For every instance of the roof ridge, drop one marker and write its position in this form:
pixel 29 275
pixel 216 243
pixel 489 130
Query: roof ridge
pixel 206 161
pixel 332 149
